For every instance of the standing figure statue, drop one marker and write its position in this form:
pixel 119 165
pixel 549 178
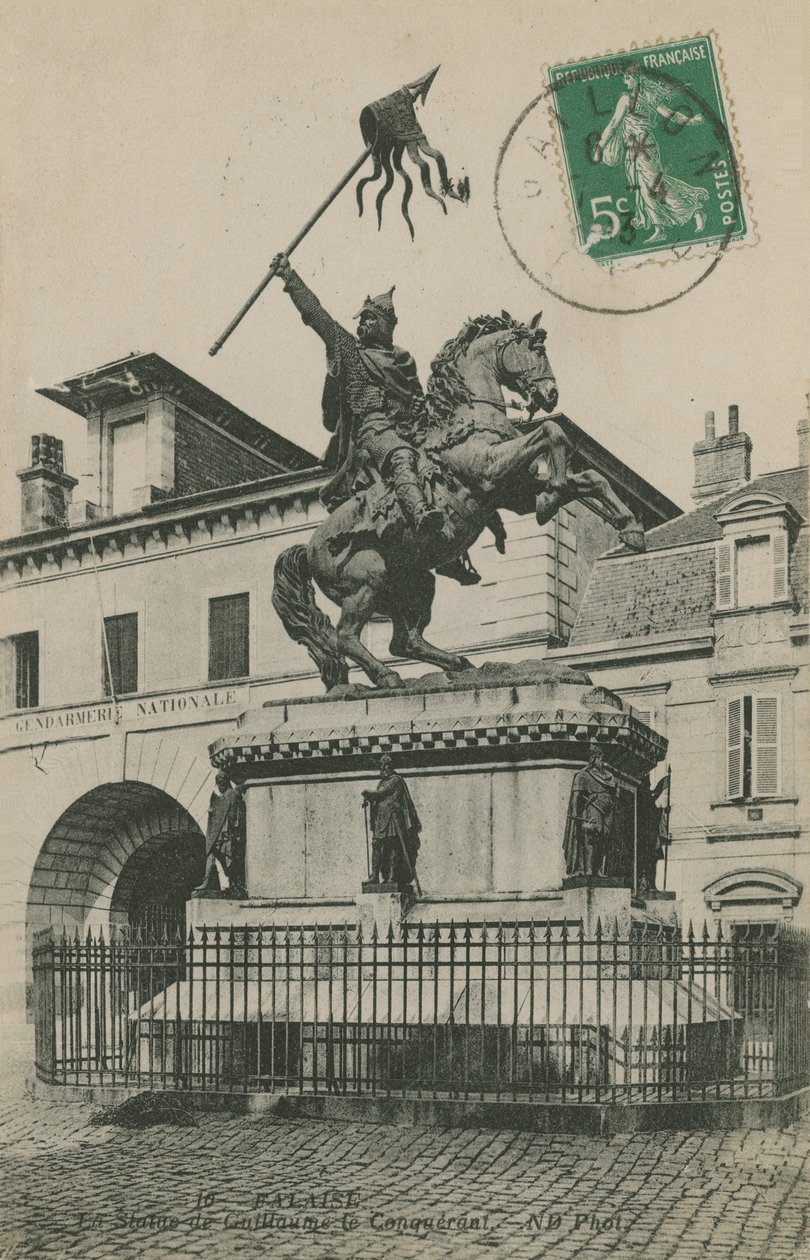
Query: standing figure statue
pixel 225 836
pixel 395 828
pixel 652 833
pixel 589 827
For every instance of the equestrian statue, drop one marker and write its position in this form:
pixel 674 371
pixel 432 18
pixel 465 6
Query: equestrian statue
pixel 418 475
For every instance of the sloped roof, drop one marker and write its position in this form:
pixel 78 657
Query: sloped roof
pixel 139 374
pixel 650 594
pixel 700 525
pixel 671 588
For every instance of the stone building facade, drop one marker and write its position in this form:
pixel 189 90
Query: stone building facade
pixel 706 637
pixel 138 626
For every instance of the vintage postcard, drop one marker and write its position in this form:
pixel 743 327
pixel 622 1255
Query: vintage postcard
pixel 404 631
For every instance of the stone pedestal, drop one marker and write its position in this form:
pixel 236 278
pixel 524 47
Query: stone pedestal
pixel 380 908
pixel 489 757
pixel 592 899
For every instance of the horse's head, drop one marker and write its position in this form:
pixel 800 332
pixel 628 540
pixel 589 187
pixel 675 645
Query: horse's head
pixel 523 365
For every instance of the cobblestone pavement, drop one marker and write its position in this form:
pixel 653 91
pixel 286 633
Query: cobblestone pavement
pixel 313 1190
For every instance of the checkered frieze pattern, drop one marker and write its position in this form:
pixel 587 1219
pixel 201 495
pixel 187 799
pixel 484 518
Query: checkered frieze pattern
pixel 480 731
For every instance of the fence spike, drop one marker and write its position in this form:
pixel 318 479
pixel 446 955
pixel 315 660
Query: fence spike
pixel 548 931
pixel 599 929
pixel 390 933
pixel 690 933
pixel 374 933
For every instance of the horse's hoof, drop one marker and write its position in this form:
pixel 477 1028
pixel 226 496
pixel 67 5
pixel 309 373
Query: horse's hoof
pixel 633 538
pixel 391 680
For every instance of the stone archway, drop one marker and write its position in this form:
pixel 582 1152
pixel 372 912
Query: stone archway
pixel 88 867
pixel 151 892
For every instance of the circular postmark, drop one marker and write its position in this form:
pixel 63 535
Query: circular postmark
pixel 617 188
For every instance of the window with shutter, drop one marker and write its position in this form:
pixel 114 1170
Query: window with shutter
pixel 228 637
pixel 766 745
pixel 734 747
pixel 780 566
pixel 121 635
pixel 724 576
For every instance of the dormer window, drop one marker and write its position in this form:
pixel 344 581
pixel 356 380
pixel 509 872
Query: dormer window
pixel 752 557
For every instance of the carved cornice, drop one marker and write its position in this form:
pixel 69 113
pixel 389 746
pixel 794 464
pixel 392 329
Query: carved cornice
pixel 169 525
pixel 543 733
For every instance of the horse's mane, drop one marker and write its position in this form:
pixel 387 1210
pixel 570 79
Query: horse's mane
pixel 446 388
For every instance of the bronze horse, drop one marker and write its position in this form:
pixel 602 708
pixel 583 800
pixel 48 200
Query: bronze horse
pixel 479 461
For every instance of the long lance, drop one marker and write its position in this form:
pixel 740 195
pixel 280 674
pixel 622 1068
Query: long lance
pixel 368 851
pixel 412 92
pixel 294 243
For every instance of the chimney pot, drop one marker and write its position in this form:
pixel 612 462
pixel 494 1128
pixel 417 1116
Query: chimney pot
pixel 721 463
pixel 46 487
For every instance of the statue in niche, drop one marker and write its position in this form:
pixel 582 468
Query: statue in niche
pixel 225 837
pixel 589 826
pixel 395 828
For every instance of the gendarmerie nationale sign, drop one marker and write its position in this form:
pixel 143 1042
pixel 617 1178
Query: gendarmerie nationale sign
pixel 65 721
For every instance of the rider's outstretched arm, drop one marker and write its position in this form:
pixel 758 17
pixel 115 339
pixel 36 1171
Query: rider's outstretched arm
pixel 312 313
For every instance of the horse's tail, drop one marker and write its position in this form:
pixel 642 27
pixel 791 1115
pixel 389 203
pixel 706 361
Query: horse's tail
pixel 294 601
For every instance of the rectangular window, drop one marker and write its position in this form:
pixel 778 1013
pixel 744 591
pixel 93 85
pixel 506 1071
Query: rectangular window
pixel 754 571
pixel 122 643
pixel 752 747
pixel 228 637
pixel 128 464
pixel 20 670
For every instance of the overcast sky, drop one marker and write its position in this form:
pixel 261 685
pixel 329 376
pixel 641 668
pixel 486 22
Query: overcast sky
pixel 157 155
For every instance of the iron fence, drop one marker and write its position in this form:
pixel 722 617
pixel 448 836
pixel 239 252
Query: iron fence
pixel 536 1011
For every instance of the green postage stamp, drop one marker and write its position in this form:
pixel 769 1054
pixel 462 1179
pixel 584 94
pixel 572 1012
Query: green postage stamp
pixel 647 152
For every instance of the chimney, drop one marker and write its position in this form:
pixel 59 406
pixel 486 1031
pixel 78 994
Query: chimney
pixel 801 429
pixel 46 487
pixel 721 463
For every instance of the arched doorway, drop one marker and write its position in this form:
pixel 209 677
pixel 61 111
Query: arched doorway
pixel 123 854
pixel 155 884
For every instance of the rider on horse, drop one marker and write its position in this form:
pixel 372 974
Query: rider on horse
pixel 373 405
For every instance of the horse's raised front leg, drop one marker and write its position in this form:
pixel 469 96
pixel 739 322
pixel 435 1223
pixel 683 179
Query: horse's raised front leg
pixel 492 465
pixel 595 490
